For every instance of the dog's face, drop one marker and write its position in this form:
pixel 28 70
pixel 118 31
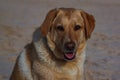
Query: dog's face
pixel 66 32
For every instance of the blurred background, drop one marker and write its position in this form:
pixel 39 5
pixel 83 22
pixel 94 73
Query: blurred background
pixel 20 18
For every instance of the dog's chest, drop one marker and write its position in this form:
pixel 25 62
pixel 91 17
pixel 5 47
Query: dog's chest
pixel 59 73
pixel 65 76
pixel 66 73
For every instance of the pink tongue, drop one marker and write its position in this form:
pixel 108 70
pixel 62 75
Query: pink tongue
pixel 69 55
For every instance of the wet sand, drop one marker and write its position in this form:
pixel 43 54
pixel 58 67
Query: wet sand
pixel 20 18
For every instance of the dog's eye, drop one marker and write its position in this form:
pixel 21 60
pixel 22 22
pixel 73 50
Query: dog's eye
pixel 77 27
pixel 60 28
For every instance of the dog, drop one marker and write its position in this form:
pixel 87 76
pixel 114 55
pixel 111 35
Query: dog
pixel 57 51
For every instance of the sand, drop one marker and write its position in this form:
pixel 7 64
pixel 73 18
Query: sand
pixel 20 18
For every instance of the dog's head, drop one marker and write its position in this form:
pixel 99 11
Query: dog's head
pixel 67 30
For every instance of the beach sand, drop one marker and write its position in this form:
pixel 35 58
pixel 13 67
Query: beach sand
pixel 20 18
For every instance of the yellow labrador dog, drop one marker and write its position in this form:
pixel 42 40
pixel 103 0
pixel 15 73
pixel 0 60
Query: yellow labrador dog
pixel 58 51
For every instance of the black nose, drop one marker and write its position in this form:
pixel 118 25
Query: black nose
pixel 70 46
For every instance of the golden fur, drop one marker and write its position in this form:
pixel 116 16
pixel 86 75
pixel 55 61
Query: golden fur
pixel 43 59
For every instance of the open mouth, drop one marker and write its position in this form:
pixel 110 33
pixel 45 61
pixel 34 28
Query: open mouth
pixel 69 50
pixel 69 56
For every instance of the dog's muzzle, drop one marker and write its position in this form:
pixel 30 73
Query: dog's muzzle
pixel 69 50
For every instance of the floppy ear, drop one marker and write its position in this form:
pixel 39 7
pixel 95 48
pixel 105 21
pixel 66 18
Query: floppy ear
pixel 89 24
pixel 46 25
